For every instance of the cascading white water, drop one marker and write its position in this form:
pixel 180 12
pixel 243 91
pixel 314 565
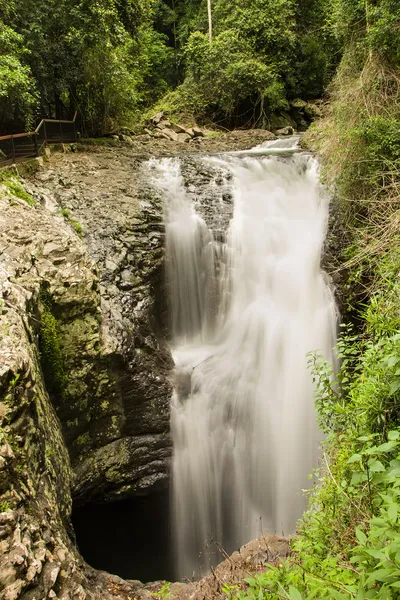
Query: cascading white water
pixel 245 313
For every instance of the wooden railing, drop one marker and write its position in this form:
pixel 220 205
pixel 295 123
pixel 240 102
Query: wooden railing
pixel 20 146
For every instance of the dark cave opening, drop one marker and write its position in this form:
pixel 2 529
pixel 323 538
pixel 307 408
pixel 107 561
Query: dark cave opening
pixel 129 538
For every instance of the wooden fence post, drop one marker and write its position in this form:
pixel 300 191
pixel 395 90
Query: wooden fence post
pixel 36 144
pixel 13 148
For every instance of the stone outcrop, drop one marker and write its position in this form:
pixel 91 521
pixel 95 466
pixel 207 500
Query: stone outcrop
pixel 41 257
pixel 112 392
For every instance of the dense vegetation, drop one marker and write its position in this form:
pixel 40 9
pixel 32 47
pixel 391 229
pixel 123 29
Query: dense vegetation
pixel 113 59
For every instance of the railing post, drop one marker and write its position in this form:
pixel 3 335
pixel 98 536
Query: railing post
pixel 12 148
pixel 44 131
pixel 73 122
pixel 61 133
pixel 36 144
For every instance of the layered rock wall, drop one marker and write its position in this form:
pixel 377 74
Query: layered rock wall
pixel 38 556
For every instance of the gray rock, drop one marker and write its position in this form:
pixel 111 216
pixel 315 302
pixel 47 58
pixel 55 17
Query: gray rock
pixel 178 128
pixel 184 137
pixel 156 118
pixel 198 132
pixel 171 134
pixel 163 124
pixel 285 131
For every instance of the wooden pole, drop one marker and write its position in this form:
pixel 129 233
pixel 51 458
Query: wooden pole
pixel 209 20
pixel 13 148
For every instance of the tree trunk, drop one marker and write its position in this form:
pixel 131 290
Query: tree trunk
pixel 209 20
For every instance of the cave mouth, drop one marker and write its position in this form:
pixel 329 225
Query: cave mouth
pixel 130 538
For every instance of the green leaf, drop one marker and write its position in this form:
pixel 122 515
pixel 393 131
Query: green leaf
pixel 394 435
pixel 396 584
pixel 393 472
pixel 375 466
pixel 378 522
pixel 393 360
pixel 361 593
pixel 378 554
pixel 395 386
pixel 354 458
pixel 362 538
pixel 294 593
pixel 358 477
pixel 388 446
pixel 381 575
pixel 392 512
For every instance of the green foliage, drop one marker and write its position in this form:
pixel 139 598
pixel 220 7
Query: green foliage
pixel 226 73
pixel 263 52
pixel 17 90
pixel 49 345
pixel 163 592
pixel 104 59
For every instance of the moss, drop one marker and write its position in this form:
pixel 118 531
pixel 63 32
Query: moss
pixel 17 190
pixel 66 213
pixel 99 142
pixel 6 175
pixel 77 226
pixel 49 344
pixel 83 440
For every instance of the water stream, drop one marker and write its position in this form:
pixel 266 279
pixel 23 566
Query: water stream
pixel 248 302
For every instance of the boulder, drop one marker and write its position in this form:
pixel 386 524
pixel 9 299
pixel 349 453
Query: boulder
pixel 161 135
pixel 163 124
pixel 184 137
pixel 178 128
pixel 197 132
pixel 156 118
pixel 298 103
pixel 312 111
pixel 170 134
pixel 285 131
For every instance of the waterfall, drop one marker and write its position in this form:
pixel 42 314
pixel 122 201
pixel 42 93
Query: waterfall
pixel 246 308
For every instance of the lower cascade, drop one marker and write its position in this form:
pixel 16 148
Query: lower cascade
pixel 247 304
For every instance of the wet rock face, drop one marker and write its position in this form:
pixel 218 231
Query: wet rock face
pixel 108 376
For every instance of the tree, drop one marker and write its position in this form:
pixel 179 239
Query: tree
pixel 18 96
